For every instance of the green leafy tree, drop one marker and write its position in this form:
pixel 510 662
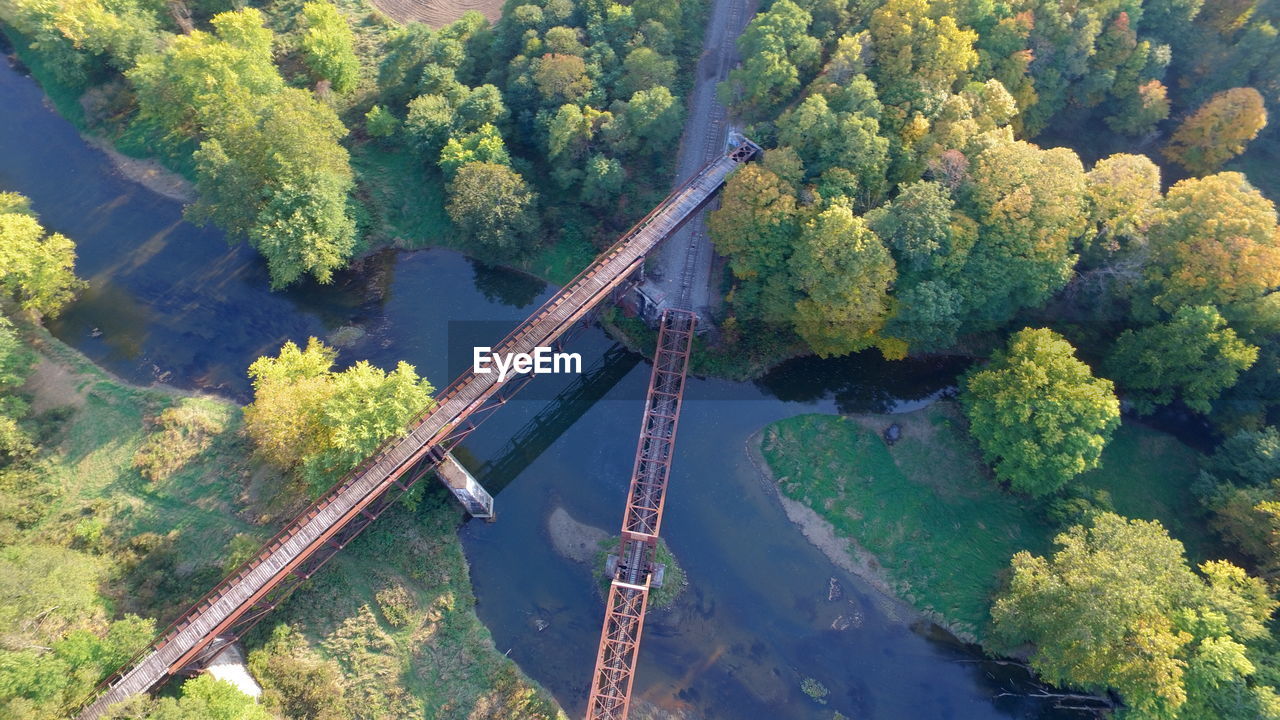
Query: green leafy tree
pixel 206 698
pixel 643 69
pixel 1193 357
pixel 1030 208
pixel 380 122
pixel 328 46
pixel 652 119
pixel 1117 606
pixel 1141 110
pixel 1039 415
pixel 561 79
pixel 37 269
pixel 306 416
pixel 484 145
pixel 776 52
pixel 1213 241
pixel 493 206
pixel 825 139
pixel 430 121
pixel 1218 131
pixel 845 273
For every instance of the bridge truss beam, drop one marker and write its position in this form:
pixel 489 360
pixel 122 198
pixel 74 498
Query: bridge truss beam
pixel 629 591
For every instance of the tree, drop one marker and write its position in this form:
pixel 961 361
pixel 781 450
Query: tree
pixel 644 68
pixel 776 51
pixel 288 390
pixel 1213 241
pixel 1123 192
pixel 848 140
pixel 845 272
pixel 429 122
pixel 1218 131
pixel 653 118
pixel 484 145
pixel 920 54
pixel 1140 111
pixel 306 416
pixel 379 122
pixel 561 79
pixel 37 269
pixel 1117 606
pixel 328 46
pixel 287 158
pixel 1030 208
pixel 1038 413
pixel 269 165
pixel 206 698
pixel 493 206
pixel 1192 357
pixel 917 226
pixel 756 221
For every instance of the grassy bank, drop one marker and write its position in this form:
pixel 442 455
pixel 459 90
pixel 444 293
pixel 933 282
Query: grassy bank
pixel 159 488
pixel 927 509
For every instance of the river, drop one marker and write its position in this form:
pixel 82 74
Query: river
pixel 171 302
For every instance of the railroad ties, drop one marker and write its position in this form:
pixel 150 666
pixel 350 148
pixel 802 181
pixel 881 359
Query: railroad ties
pixel 634 571
pixel 304 544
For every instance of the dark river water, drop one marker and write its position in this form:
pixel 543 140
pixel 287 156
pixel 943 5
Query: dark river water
pixel 171 302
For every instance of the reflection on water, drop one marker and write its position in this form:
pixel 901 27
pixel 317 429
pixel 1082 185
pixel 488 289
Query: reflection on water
pixel 172 301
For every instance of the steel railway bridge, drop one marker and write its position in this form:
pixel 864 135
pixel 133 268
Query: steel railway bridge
pixel 310 539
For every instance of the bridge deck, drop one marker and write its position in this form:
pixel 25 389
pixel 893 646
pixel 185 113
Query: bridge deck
pixel 179 645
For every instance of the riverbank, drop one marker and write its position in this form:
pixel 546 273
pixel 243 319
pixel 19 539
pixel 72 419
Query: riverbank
pixel 158 489
pixel 924 520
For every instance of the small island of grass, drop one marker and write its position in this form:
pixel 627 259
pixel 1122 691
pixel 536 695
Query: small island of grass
pixel 660 598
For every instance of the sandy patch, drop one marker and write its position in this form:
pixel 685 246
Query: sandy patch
pixel 147 173
pixel 571 539
pixel 437 13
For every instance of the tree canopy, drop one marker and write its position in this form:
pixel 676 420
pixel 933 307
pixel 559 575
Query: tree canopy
pixel 1039 415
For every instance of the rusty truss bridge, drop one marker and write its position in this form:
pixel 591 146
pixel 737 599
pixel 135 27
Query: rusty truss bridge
pixel 634 571
pixel 315 535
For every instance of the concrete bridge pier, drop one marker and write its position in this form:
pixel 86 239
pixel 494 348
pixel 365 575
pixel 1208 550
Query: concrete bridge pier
pixel 472 495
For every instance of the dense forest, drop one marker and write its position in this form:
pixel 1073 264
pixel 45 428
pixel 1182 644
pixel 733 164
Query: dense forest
pixel 1078 192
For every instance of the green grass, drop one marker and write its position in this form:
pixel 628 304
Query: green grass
pixel 673 581
pixel 396 611
pixel 927 509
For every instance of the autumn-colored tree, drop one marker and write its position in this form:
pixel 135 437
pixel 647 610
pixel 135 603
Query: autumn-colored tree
pixel 1193 357
pixel 1218 131
pixel 1118 607
pixel 921 53
pixel 845 272
pixel 755 224
pixel 1213 241
pixel 1123 192
pixel 1039 415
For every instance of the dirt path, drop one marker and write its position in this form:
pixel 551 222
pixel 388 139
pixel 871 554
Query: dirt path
pixel 681 269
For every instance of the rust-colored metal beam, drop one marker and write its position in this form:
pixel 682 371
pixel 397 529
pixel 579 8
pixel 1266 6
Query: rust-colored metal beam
pixel 628 593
